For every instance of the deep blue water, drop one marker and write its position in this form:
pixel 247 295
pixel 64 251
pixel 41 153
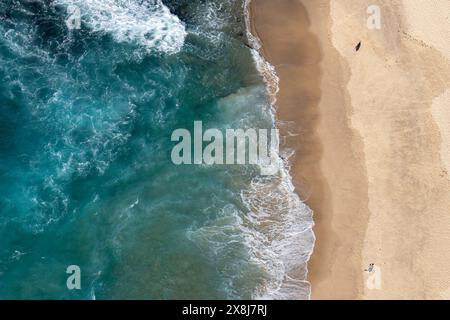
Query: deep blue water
pixel 86 178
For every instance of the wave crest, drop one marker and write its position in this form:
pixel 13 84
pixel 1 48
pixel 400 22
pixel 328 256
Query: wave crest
pixel 149 24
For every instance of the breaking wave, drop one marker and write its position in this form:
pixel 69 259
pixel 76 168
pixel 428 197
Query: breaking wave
pixel 149 24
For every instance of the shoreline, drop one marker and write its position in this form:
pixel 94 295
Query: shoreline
pixel 295 283
pixel 300 62
pixel 371 147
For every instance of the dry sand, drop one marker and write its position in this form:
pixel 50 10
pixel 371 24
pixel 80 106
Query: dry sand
pixel 373 140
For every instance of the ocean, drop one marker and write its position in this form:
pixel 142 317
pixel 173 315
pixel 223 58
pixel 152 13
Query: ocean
pixel 86 117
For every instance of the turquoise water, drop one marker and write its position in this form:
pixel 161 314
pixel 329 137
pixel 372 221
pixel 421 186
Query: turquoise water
pixel 86 117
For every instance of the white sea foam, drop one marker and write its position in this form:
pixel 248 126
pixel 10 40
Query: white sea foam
pixel 209 19
pixel 274 224
pixel 149 24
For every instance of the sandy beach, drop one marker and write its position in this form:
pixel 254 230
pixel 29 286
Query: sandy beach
pixel 371 132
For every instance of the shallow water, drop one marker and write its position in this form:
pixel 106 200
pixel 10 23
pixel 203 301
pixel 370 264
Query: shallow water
pixel 86 176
